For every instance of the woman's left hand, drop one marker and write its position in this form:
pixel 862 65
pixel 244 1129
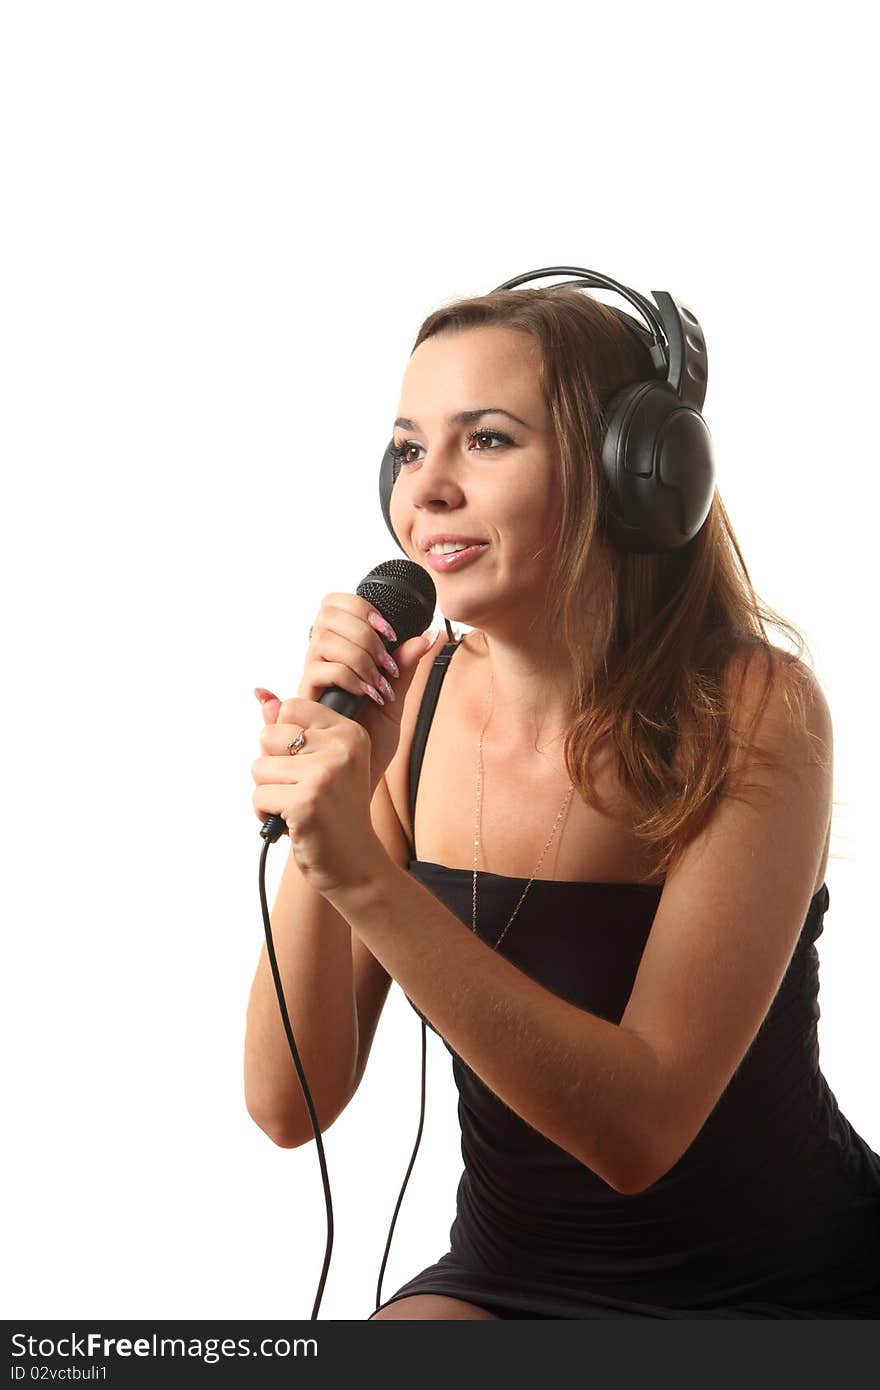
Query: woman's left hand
pixel 322 792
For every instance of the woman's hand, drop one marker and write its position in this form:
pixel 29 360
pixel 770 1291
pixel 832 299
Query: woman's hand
pixel 323 792
pixel 346 649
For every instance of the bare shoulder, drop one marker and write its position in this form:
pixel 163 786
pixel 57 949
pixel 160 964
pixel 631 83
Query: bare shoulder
pixel 776 701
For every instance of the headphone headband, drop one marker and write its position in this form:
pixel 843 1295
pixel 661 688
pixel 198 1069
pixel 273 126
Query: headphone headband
pixel 674 337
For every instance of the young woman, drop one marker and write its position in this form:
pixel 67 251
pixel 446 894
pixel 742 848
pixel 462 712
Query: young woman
pixel 607 899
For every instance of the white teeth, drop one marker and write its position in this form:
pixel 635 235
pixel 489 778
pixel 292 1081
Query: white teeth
pixel 447 547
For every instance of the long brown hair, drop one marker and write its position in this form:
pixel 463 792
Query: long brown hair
pixel 676 623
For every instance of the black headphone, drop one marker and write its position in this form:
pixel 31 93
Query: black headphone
pixel 656 448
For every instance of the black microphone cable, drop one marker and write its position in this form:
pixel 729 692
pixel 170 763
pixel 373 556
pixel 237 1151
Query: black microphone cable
pixel 268 839
pixel 404 594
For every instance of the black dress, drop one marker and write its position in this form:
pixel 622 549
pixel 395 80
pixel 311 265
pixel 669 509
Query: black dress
pixel 773 1211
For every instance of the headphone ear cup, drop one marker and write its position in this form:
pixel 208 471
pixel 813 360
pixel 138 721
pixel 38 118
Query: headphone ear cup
pixel 658 466
pixel 387 478
pixel 659 471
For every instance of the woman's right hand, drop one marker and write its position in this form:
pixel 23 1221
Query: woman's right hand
pixel 345 649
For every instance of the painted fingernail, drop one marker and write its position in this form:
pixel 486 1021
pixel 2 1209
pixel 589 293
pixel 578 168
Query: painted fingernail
pixel 382 626
pixel 387 660
pixel 386 689
pixel 373 694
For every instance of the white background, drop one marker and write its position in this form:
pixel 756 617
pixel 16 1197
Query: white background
pixel 223 226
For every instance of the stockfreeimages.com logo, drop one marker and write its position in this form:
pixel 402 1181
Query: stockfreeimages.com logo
pixel 93 1345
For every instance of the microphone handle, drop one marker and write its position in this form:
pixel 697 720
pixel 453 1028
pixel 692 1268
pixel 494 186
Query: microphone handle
pixel 344 702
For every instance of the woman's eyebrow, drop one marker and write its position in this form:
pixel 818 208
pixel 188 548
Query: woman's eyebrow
pixel 464 417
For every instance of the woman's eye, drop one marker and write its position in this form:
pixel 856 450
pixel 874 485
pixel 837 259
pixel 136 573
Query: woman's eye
pixel 399 451
pixel 489 434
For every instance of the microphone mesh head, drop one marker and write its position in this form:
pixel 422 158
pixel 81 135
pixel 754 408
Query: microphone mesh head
pixel 403 593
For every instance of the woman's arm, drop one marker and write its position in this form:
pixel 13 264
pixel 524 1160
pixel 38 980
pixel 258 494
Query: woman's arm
pixel 587 1085
pixel 313 949
pixel 734 906
pixel 628 1099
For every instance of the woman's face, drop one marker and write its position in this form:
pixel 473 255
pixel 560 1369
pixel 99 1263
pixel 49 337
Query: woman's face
pixel 492 478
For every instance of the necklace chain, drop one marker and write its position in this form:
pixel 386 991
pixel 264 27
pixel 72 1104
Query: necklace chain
pixel 477 821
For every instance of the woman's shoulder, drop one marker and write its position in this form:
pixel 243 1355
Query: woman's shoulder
pixel 765 695
pixel 769 685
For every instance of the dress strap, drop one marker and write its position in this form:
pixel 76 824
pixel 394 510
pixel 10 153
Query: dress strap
pixel 423 725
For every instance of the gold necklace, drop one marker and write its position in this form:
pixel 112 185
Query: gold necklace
pixel 477 825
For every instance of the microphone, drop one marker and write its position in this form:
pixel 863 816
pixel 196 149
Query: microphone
pixel 405 595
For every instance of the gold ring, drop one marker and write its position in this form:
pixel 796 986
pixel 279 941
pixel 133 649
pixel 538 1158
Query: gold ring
pixel 296 744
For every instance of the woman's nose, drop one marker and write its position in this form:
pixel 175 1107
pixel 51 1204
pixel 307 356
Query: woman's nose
pixel 434 478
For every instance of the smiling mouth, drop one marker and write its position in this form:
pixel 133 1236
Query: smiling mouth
pixel 455 559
